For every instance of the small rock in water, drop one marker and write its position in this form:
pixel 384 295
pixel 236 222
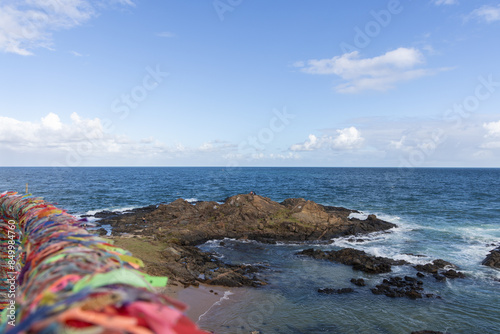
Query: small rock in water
pixel 358 282
pixel 439 278
pixel 394 287
pixel 453 274
pixel 330 291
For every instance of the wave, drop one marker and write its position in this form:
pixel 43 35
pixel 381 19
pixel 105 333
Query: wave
pixel 116 209
pixel 217 303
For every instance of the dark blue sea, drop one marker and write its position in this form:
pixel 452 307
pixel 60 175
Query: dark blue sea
pixel 451 214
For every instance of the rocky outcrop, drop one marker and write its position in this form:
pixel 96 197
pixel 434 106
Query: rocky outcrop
pixel 395 287
pixel 182 225
pixel 358 259
pixel 244 216
pixel 190 266
pixel 493 259
pixel 358 282
pixel 440 269
pixel 435 266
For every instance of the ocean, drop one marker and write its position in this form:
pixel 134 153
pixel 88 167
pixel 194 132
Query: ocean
pixel 450 214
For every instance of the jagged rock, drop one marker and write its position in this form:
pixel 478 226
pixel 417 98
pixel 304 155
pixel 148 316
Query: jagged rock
pixel 396 287
pixel 434 267
pixel 493 259
pixel 439 278
pixel 437 269
pixel 358 259
pixel 190 266
pixel 453 274
pixel 427 332
pixel 243 216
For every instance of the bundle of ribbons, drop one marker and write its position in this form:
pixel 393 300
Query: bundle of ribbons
pixel 58 278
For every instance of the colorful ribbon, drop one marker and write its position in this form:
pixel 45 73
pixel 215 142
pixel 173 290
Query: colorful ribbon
pixel 57 278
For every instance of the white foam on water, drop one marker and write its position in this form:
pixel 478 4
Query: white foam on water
pixel 474 245
pixel 217 303
pixel 358 215
pixel 112 209
pixel 281 243
pixel 216 242
pixel 191 200
pixel 391 243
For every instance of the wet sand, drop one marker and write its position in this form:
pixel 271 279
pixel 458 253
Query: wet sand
pixel 198 299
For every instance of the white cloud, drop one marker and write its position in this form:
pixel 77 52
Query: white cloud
pixel 445 2
pixel 486 13
pixel 76 54
pixel 493 129
pixel 75 142
pixel 309 145
pixel 378 73
pixel 216 146
pixel 52 122
pixel 398 145
pixel 264 156
pixel 28 24
pixel 346 139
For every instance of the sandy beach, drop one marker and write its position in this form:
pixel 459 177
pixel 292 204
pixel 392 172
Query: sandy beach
pixel 198 299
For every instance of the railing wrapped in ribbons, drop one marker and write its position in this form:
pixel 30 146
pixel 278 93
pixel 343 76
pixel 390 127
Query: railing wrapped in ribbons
pixel 58 278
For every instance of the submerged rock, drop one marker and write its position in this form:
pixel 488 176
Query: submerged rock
pixel 438 269
pixel 358 282
pixel 330 291
pixel 434 267
pixel 396 287
pixel 358 259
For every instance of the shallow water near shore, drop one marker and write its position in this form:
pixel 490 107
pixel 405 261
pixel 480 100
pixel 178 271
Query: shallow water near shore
pixel 452 214
pixel 290 302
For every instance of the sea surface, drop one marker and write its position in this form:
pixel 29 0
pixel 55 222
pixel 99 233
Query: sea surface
pixel 451 214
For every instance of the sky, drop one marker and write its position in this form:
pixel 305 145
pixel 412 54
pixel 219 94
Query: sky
pixel 367 83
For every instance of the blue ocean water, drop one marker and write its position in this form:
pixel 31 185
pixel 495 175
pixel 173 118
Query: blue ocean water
pixel 453 214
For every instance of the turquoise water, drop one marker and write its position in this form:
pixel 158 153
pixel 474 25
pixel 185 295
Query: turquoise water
pixel 453 214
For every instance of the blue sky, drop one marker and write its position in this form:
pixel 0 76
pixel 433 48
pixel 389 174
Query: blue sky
pixel 250 83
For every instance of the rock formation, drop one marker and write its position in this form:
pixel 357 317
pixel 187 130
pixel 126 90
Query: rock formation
pixel 493 259
pixel 181 225
pixel 358 259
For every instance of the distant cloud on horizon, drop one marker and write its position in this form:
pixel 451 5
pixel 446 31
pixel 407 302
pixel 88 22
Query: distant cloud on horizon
pixel 346 139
